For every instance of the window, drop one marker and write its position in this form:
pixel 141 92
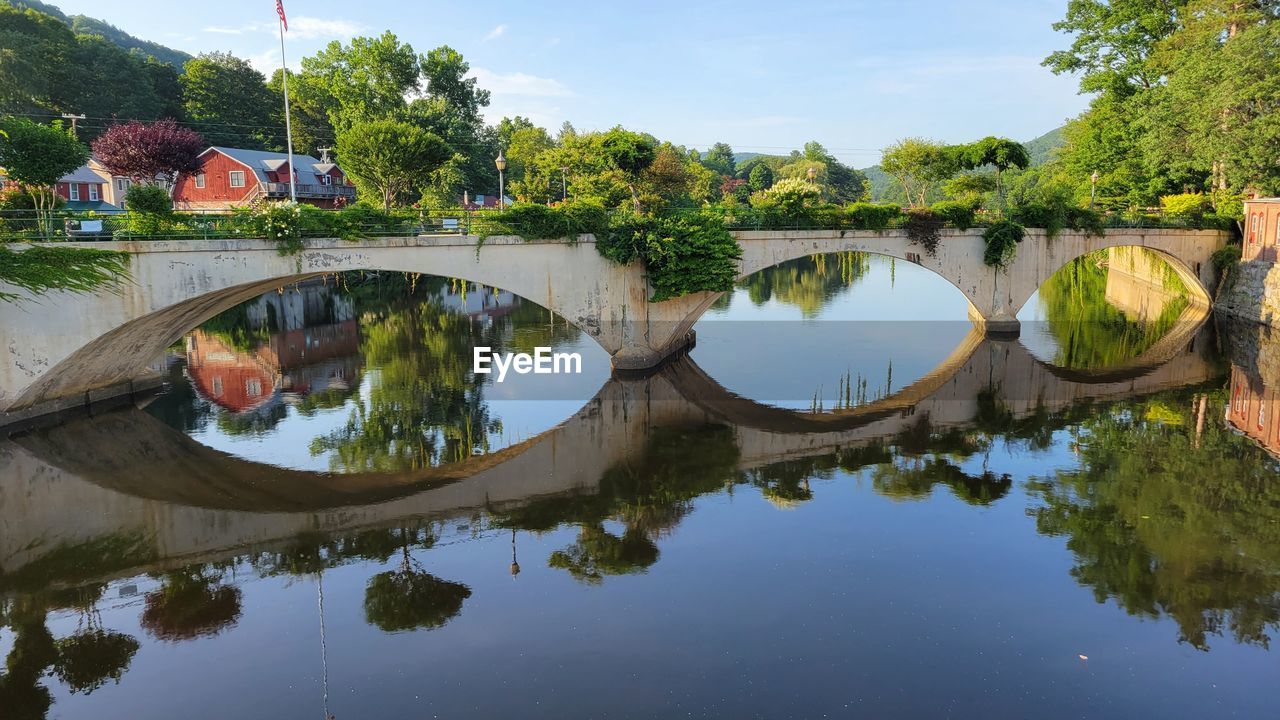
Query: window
pixel 253 387
pixel 217 386
pixel 1253 228
pixel 236 177
pixel 74 193
pixel 200 180
pixel 93 193
pixel 326 179
pixel 122 184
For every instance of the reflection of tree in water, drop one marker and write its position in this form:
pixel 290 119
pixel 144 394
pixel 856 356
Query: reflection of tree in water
pixel 83 661
pixel 648 496
pixel 807 283
pixel 1170 521
pixel 410 598
pixel 1090 332
pixel 191 603
pixel 407 598
pixel 424 404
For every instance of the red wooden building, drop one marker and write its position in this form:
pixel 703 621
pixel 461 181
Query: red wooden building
pixel 1261 229
pixel 230 177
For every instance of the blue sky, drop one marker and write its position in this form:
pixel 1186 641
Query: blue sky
pixel 761 76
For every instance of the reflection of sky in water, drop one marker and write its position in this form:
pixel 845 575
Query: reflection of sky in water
pixel 904 316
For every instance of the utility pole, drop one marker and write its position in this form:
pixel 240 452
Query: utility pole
pixel 324 154
pixel 73 118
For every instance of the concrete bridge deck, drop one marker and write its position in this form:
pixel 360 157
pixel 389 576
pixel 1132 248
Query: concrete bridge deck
pixel 62 350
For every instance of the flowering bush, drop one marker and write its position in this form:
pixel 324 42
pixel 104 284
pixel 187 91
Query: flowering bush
pixel 277 221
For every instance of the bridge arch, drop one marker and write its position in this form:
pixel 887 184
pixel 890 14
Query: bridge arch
pixel 65 350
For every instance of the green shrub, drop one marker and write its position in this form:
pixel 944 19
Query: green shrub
pixel 1083 219
pixel 957 213
pixel 924 229
pixel 688 254
pixel 1226 258
pixel 1037 215
pixel 871 216
pixel 151 199
pixel 1002 241
pixel 539 222
pixel 1187 205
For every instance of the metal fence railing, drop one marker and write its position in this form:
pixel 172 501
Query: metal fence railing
pixel 358 222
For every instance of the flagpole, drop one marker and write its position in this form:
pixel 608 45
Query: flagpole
pixel 288 126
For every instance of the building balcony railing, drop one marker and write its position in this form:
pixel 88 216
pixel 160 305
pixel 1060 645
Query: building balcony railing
pixel 277 189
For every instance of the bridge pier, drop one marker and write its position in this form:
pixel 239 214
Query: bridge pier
pixel 998 326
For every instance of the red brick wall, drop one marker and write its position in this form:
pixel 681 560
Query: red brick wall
pixel 1261 220
pixel 217 183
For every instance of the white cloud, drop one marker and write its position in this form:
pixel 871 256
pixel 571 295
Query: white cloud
pixel 311 28
pixel 268 61
pixel 518 83
pixel 496 33
pixel 301 27
pixel 229 30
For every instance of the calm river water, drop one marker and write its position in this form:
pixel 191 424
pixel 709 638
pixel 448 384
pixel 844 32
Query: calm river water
pixel 841 503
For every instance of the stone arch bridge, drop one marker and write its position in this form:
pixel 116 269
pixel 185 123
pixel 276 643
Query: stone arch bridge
pixel 63 350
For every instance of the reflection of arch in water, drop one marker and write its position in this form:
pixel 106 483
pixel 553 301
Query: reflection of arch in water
pixel 193 500
pixel 113 449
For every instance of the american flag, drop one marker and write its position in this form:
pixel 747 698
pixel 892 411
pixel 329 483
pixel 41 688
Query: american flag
pixel 280 12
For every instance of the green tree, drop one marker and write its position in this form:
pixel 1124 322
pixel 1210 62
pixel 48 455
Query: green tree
pixel 446 76
pixel 36 50
pixel 919 165
pixel 1113 42
pixel 365 80
pixel 228 102
pixel 36 156
pixel 999 153
pixel 389 160
pixel 308 111
pixel 719 159
pixel 629 153
pixel 761 178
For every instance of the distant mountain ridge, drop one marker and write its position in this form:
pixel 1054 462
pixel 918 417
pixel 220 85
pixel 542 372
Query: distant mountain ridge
pixel 85 25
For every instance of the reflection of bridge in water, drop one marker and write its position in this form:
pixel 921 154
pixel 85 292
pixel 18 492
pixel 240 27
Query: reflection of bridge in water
pixel 128 475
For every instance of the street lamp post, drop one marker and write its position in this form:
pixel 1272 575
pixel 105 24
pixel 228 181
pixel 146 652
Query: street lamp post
pixel 501 163
pixel 1093 188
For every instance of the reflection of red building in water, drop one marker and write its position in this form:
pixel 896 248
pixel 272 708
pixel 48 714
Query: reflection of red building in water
pixel 313 345
pixel 1254 410
pixel 233 379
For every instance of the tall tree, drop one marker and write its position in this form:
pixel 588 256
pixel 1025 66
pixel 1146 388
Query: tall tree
pixel 629 153
pixel 999 153
pixel 390 160
pixel 366 80
pixel 719 159
pixel 36 156
pixel 446 75
pixel 227 101
pixel 919 165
